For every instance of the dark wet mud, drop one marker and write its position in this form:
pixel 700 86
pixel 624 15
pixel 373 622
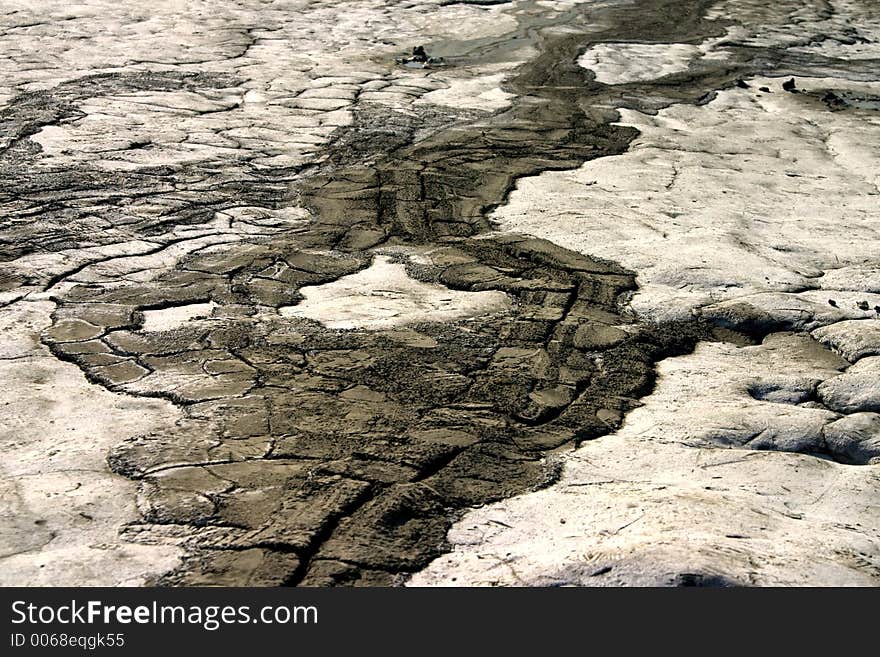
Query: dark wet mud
pixel 310 456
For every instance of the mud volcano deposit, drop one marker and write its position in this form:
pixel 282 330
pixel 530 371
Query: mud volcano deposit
pixel 368 293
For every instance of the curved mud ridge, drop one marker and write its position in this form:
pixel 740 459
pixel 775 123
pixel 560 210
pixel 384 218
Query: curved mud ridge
pixel 320 457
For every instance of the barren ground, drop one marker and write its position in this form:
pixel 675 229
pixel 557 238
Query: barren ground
pixel 593 300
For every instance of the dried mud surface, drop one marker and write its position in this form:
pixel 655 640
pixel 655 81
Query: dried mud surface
pixel 753 209
pixel 307 455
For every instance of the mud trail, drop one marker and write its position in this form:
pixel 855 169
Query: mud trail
pixel 320 457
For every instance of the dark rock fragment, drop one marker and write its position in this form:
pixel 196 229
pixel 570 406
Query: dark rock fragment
pixel 419 54
pixel 833 101
pixel 419 58
pixel 789 85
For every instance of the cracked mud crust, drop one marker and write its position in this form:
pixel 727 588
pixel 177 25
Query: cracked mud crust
pixel 209 233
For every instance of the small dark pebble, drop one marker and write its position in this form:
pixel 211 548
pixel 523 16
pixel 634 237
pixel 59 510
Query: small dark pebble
pixel 789 85
pixel 877 309
pixel 863 305
pixel 766 90
pixel 562 521
pixel 742 84
pixel 833 101
pixel 419 54
pixel 601 571
pixel 832 302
